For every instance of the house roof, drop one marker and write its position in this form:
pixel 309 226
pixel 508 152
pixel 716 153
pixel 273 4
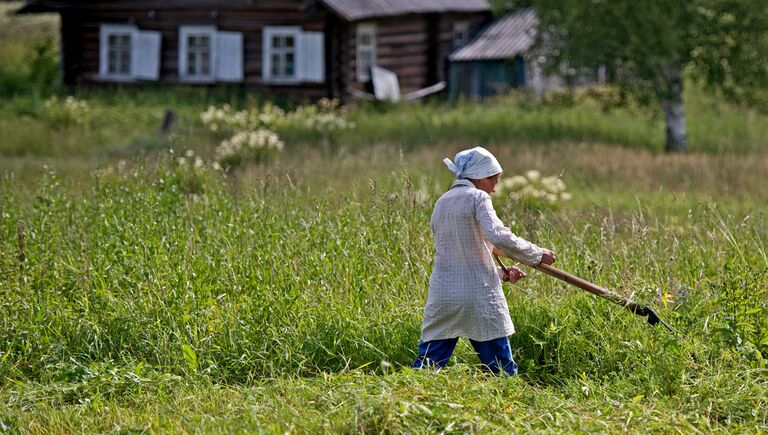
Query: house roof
pixel 36 6
pixel 351 10
pixel 355 10
pixel 505 38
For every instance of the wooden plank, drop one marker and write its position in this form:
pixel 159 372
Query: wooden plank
pixel 399 51
pixel 412 27
pixel 405 39
pixel 395 62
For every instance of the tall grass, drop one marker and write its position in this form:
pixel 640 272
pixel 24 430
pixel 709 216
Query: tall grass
pixel 141 284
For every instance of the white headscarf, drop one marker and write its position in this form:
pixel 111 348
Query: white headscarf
pixel 475 163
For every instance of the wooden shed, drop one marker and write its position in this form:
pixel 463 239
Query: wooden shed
pixel 499 58
pixel 306 48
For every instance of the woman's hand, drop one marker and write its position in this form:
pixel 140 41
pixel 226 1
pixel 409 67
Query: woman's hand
pixel 548 257
pixel 515 274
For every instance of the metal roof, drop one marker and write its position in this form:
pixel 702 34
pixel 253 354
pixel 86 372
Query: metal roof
pixel 351 10
pixel 355 10
pixel 36 6
pixel 505 38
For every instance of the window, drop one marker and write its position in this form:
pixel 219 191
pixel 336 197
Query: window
pixel 207 55
pixel 119 54
pixel 281 47
pixel 127 53
pixel 197 53
pixel 291 55
pixel 283 54
pixel 365 54
pixel 460 34
pixel 116 51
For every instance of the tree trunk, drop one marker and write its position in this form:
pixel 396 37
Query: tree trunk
pixel 674 112
pixel 677 138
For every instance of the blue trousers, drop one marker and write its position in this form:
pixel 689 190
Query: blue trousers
pixel 494 354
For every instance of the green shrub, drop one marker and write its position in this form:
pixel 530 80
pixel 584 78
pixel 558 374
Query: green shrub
pixel 741 297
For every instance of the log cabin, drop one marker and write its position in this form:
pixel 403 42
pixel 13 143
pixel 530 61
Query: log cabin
pixel 302 48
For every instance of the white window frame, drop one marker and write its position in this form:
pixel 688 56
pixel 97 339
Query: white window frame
pixel 184 33
pixel 105 31
pixel 362 71
pixel 268 50
pixel 460 34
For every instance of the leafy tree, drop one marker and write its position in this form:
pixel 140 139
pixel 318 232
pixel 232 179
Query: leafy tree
pixel 648 46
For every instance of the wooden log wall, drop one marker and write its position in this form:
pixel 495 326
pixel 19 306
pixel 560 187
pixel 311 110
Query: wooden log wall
pixel 80 31
pixel 445 46
pixel 401 46
pixel 415 47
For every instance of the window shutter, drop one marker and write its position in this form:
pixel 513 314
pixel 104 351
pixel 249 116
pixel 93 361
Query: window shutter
pixel 312 57
pixel 103 49
pixel 229 56
pixel 145 55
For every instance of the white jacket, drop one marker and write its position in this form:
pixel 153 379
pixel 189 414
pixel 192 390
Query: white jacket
pixel 465 296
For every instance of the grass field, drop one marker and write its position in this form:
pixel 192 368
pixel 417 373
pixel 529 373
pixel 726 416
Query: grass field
pixel 141 294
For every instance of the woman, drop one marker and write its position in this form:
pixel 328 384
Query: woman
pixel 465 296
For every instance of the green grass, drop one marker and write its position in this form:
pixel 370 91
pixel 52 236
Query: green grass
pixel 271 304
pixel 139 295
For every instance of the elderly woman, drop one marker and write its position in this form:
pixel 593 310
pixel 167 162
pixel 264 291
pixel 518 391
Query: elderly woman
pixel 465 296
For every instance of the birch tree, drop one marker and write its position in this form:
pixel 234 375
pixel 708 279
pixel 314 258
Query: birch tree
pixel 649 46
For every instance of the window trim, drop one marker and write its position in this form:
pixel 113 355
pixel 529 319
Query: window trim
pixel 267 34
pixel 105 31
pixel 370 29
pixel 184 33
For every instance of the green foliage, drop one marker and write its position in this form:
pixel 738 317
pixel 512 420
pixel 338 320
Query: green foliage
pixel 29 50
pixel 252 131
pixel 645 47
pixel 44 68
pixel 741 295
pixel 67 112
pixel 723 41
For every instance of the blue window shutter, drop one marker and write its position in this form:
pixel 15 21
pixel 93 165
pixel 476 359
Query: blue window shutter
pixel 229 56
pixel 145 55
pixel 313 57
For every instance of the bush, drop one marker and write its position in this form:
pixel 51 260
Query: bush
pixel 533 190
pixel 741 293
pixel 38 74
pixel 249 146
pixel 66 112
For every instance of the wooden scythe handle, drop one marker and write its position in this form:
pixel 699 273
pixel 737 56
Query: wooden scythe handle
pixel 595 289
pixel 588 286
pixel 585 285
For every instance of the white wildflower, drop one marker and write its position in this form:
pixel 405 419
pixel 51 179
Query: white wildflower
pixel 553 184
pixel 533 186
pixel 533 175
pixel 69 111
pixel 249 145
pixel 515 182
